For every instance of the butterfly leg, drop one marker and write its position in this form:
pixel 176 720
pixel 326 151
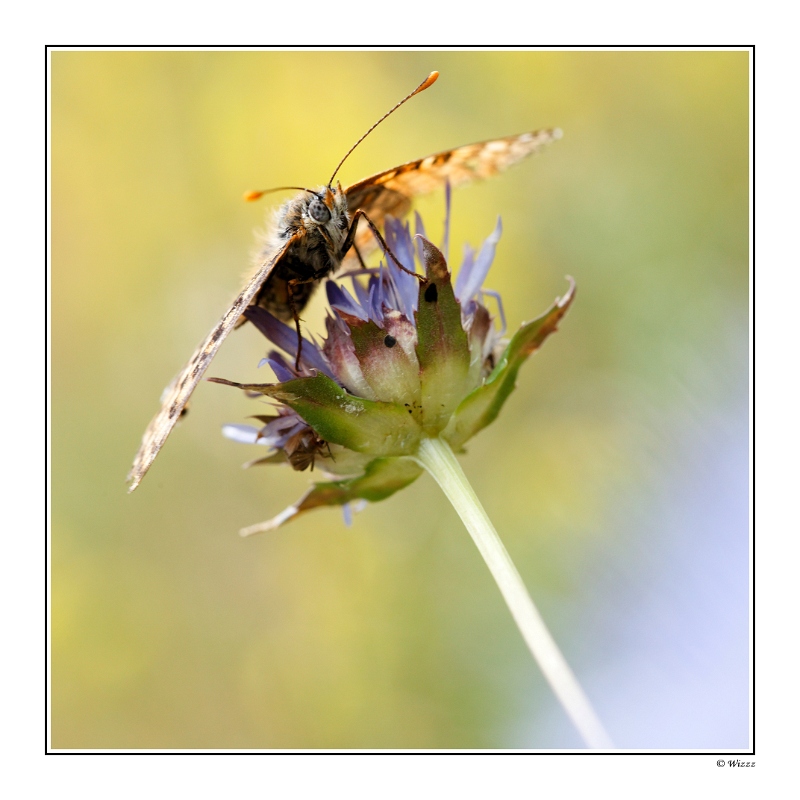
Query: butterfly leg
pixel 291 287
pixel 290 284
pixel 359 256
pixel 351 236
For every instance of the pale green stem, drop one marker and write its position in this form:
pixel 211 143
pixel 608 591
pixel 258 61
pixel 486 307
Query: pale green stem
pixel 438 459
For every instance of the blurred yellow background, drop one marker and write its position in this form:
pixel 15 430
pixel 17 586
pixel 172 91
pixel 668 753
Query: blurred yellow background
pixel 617 475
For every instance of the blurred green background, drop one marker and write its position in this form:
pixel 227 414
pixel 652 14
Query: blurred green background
pixel 617 475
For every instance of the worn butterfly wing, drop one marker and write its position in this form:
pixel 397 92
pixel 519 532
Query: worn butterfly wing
pixel 390 192
pixel 177 394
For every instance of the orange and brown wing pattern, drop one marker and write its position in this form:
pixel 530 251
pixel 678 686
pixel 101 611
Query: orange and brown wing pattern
pixel 390 192
pixel 177 394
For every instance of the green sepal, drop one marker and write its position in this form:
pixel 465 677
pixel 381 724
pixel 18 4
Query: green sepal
pixel 381 479
pixel 442 347
pixel 482 406
pixel 366 426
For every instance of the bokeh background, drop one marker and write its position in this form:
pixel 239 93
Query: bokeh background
pixel 617 475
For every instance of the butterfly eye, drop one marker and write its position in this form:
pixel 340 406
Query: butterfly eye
pixel 319 211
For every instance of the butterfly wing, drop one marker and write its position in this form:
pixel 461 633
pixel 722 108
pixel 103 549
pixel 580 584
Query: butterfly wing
pixel 390 192
pixel 177 394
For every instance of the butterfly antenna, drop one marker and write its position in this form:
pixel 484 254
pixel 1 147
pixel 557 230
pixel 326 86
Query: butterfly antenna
pixel 429 81
pixel 257 195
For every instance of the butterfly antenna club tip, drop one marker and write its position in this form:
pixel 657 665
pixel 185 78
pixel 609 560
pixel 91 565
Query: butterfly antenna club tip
pixel 429 81
pixel 257 194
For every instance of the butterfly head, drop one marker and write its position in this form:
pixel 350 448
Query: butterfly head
pixel 327 207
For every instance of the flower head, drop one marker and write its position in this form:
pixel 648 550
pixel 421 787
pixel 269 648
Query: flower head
pixel 406 357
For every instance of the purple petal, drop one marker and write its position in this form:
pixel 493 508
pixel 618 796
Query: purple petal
pixel 419 228
pixel 349 510
pixel 389 296
pixel 477 273
pixel 410 294
pixel 464 272
pixel 446 237
pixel 405 285
pixel 285 337
pixel 244 434
pixel 500 311
pixel 404 290
pixel 347 514
pixel 279 367
pixel 399 240
pixel 362 292
pixel 279 430
pixel 376 299
pixel 339 297
pixel 420 231
pixel 398 294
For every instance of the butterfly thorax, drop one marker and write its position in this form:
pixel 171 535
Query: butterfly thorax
pixel 318 222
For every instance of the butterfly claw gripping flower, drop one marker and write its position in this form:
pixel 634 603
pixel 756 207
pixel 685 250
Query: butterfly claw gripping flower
pixel 403 360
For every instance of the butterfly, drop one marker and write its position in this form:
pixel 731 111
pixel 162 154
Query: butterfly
pixel 311 236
